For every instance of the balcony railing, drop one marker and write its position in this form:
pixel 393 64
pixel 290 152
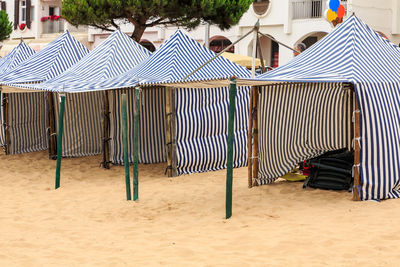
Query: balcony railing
pixel 309 9
pixel 53 26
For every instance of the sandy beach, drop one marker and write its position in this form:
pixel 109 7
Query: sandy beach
pixel 180 221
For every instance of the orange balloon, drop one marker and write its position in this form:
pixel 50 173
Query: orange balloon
pixel 341 11
pixel 331 15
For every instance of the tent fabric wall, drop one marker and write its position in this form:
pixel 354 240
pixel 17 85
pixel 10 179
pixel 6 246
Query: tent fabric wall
pixel 83 121
pixel 380 142
pixel 201 125
pixel 28 122
pixel 152 125
pixel 298 122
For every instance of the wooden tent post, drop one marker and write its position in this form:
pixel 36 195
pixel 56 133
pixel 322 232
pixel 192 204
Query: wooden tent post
pixel 60 136
pixel 168 111
pixel 173 133
pixel 260 55
pixel 125 142
pixel 255 134
pixel 6 124
pixel 52 127
pixel 357 148
pixel 231 137
pixel 106 131
pixel 250 142
pixel 136 144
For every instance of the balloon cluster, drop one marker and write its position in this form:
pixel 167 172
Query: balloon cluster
pixel 335 12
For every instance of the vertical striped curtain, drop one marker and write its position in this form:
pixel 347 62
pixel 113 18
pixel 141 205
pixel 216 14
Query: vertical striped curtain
pixel 83 123
pixel 152 125
pixel 380 142
pixel 202 128
pixel 28 122
pixel 298 122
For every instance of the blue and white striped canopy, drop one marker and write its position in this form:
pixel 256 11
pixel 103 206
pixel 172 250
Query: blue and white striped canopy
pixel 115 55
pixel 175 59
pixel 354 53
pixel 50 62
pixel 15 57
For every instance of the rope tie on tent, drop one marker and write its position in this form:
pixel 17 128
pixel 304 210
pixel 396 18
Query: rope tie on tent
pixel 354 115
pixel 358 139
pixel 48 132
pixel 355 166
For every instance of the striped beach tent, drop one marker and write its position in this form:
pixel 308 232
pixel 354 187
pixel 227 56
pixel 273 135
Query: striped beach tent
pixel 54 59
pixel 27 121
pixel 199 127
pixel 83 122
pixel 306 108
pixel 16 56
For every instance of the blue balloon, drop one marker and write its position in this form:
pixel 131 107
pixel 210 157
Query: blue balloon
pixel 334 5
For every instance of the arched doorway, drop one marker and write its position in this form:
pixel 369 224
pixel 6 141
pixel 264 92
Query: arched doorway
pixel 308 40
pixel 148 45
pixel 219 43
pixel 269 50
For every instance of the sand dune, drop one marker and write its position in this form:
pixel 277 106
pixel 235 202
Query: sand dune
pixel 180 221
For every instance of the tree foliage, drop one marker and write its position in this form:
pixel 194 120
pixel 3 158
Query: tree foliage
pixel 6 27
pixel 107 14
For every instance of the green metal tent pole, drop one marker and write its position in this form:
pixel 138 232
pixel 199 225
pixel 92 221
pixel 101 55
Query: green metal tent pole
pixel 60 136
pixel 231 133
pixel 126 152
pixel 136 145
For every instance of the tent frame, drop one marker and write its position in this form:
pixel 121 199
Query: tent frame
pixel 52 134
pixel 170 131
pixel 6 124
pixel 253 146
pixel 106 131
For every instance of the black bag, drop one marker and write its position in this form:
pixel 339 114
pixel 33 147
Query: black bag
pixel 332 170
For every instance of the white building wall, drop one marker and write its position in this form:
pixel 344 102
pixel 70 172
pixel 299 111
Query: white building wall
pixel 277 22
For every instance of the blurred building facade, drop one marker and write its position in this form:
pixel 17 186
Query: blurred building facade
pixel 38 22
pixel 289 21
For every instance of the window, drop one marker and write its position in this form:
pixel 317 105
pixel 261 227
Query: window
pixel 219 43
pixel 23 11
pixel 32 13
pixel 260 6
pixel 52 11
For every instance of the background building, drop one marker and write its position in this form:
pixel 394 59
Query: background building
pixel 38 22
pixel 289 21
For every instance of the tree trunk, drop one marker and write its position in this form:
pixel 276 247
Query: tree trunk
pixel 138 32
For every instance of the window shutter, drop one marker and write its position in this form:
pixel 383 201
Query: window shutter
pixel 3 6
pixel 28 14
pixel 16 13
